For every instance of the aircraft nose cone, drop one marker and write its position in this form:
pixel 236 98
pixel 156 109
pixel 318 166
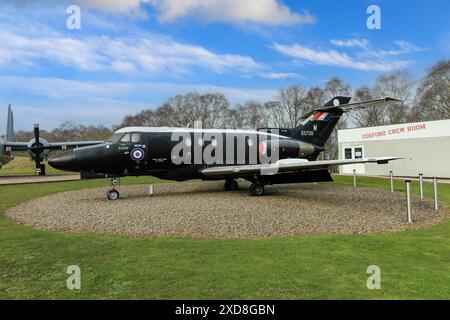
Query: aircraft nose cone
pixel 64 160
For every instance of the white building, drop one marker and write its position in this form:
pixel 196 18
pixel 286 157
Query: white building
pixel 425 147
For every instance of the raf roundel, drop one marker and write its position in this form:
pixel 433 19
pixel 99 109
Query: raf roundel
pixel 137 154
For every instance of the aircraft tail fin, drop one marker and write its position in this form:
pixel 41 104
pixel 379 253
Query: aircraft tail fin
pixel 10 135
pixel 317 126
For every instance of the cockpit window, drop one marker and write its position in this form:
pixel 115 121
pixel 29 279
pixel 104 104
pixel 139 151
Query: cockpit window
pixel 126 138
pixel 115 137
pixel 135 137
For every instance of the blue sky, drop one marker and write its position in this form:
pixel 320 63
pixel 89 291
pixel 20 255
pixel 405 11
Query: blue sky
pixel 134 54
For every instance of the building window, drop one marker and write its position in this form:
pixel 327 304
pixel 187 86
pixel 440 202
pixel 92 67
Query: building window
pixel 358 153
pixel 348 153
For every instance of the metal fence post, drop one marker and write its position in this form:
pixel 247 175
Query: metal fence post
pixel 435 188
pixel 391 174
pixel 408 200
pixel 354 178
pixel 151 189
pixel 421 185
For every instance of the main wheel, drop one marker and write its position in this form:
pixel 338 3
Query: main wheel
pixel 256 189
pixel 113 194
pixel 231 185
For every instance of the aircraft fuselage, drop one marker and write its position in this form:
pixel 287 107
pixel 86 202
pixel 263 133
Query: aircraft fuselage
pixel 179 154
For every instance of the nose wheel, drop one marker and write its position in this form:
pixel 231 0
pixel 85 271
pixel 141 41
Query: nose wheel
pixel 113 194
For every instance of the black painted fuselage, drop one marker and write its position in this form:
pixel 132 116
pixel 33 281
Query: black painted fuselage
pixel 180 154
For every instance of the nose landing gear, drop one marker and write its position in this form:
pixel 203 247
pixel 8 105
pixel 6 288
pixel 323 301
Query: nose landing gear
pixel 113 193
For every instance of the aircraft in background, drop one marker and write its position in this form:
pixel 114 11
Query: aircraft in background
pixel 183 153
pixel 37 148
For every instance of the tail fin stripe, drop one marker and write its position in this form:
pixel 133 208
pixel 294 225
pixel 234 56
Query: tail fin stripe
pixel 318 115
pixel 324 116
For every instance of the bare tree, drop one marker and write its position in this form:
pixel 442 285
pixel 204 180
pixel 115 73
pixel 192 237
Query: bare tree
pixel 399 86
pixel 237 118
pixel 337 87
pixel 433 94
pixel 71 131
pixel 212 109
pixel 251 115
pixel 316 97
pixel 272 115
pixel 209 109
pixel 292 103
pixel 367 117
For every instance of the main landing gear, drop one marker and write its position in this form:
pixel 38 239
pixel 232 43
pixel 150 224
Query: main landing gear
pixel 113 194
pixel 256 189
pixel 231 185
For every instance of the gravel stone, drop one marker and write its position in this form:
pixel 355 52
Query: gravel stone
pixel 205 210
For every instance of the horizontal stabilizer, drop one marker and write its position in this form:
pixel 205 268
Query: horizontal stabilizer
pixel 358 105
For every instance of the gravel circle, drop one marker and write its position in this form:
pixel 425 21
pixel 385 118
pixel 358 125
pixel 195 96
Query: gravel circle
pixel 205 210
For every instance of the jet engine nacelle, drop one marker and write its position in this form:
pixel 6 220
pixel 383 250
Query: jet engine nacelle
pixel 286 148
pixel 38 150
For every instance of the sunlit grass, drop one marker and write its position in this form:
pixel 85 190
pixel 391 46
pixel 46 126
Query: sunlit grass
pixel 414 264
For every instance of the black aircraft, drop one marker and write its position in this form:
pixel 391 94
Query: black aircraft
pixel 264 157
pixel 37 148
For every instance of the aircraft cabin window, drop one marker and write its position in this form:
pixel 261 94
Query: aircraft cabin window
pixel 126 138
pixel 348 153
pixel 136 137
pixel 358 153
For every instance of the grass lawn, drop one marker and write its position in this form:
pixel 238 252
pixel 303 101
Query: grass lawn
pixel 24 165
pixel 414 264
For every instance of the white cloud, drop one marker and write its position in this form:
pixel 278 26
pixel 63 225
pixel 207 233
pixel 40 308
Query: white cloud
pixel 268 12
pixel 362 43
pixel 336 58
pixel 403 48
pixel 149 53
pixel 280 75
pixel 115 6
pixel 51 101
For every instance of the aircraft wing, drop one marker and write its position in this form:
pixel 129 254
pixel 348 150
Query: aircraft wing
pixel 72 144
pixel 23 146
pixel 15 146
pixel 285 165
